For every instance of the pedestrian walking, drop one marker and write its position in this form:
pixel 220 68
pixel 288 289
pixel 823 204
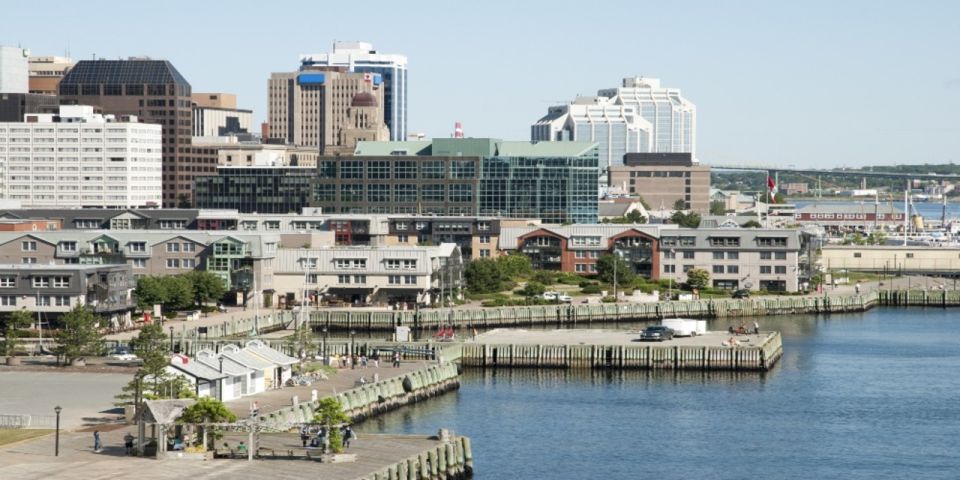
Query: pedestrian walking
pixel 304 435
pixel 254 409
pixel 347 436
pixel 396 359
pixel 856 288
pixel 97 446
pixel 756 328
pixel 128 443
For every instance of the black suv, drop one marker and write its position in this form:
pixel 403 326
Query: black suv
pixel 658 333
pixel 741 293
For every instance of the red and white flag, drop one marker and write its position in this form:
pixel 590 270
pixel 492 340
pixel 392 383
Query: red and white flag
pixel 772 186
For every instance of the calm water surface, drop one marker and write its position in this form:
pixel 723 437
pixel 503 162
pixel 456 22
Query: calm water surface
pixel 873 395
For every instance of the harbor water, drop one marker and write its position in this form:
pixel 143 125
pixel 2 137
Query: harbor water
pixel 871 395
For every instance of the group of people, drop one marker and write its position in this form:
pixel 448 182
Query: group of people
pixel 742 329
pixel 319 437
pixel 351 361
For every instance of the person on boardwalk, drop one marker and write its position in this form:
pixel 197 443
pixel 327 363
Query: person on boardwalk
pixel 97 446
pixel 254 409
pixel 304 435
pixel 128 443
pixel 396 359
pixel 856 288
pixel 347 436
pixel 756 328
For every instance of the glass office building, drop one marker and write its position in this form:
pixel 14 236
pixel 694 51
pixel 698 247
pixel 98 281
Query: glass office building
pixel 256 189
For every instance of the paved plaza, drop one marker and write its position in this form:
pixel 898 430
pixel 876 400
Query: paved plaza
pixel 514 336
pixel 84 397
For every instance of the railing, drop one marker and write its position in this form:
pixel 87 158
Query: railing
pixel 27 421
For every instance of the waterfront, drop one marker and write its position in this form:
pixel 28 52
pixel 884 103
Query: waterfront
pixel 868 395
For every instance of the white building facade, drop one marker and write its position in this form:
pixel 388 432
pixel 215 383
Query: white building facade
pixel 79 159
pixel 220 122
pixel 617 129
pixel 361 57
pixel 14 70
pixel 673 118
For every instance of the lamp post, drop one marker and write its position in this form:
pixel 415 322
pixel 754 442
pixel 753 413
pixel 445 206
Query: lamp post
pixel 325 344
pixel 221 380
pixel 56 445
pixel 171 339
pixel 352 351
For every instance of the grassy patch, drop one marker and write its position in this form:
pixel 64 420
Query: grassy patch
pixel 12 436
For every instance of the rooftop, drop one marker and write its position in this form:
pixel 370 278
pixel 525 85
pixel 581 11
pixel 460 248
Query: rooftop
pixel 477 147
pixel 119 72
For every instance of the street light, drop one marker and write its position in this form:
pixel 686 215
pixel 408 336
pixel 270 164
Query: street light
pixel 56 445
pixel 325 344
pixel 171 339
pixel 221 380
pixel 352 351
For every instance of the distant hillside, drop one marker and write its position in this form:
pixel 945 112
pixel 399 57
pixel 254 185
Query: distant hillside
pixel 757 181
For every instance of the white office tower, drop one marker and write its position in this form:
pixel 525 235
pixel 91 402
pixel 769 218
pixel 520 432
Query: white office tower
pixel 617 129
pixel 14 70
pixel 80 159
pixel 361 57
pixel 673 118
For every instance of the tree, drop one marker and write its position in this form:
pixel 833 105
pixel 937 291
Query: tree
pixel 545 277
pixel 533 289
pixel 698 278
pixel 680 204
pixel 79 337
pixel 149 292
pixel 207 286
pixel 483 276
pixel 514 266
pixel 605 268
pixel 751 224
pixel 634 216
pixel 718 208
pixel 151 347
pixel 178 293
pixel 686 220
pixel 16 320
pixel 300 342
pixel 208 410
pixel 877 238
pixel 330 414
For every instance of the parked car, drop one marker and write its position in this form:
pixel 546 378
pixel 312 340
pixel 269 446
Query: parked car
pixel 123 355
pixel 657 333
pixel 563 297
pixel 550 295
pixel 741 293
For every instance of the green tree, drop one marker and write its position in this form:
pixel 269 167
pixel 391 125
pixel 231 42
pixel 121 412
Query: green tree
pixel 152 348
pixel 877 238
pixel 634 216
pixel 300 342
pixel 545 277
pixel 330 414
pixel 483 275
pixel 606 265
pixel 514 266
pixel 751 224
pixel 718 208
pixel 79 336
pixel 686 220
pixel 208 410
pixel 698 278
pixel 149 292
pixel 680 204
pixel 179 293
pixel 533 289
pixel 15 321
pixel 207 286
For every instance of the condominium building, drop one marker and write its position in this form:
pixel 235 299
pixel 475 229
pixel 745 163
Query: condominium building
pixel 81 159
pixel 361 57
pixel 155 92
pixel 672 118
pixel 663 179
pixel 51 290
pixel 217 115
pixel 46 73
pixel 327 108
pixel 14 76
pixel 616 129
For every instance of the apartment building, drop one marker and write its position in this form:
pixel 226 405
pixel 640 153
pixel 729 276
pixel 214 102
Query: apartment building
pixel 79 159
pixel 52 290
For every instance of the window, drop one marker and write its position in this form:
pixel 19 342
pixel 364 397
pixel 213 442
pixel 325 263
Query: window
pixel 733 269
pixel 343 279
pixel 189 247
pixel 409 280
pixel 28 246
pixel 484 238
pixel 403 238
pixel 772 241
pixel 271 225
pixel 766 269
pixel 8 281
pixel 350 263
pixel 780 255
pixel 312 278
pixel 393 279
pixel 173 224
pixel 189 263
pixel 309 263
pixel 909 255
pixel 780 269
pixel 724 241
pixel 766 255
pixel 139 263
pixel 61 300
pixel 718 255
pixel 718 269
pixel 40 282
pixel 8 300
pixel 585 241
pixel 351 169
pixel 173 247
pixel 68 246
pixel 401 226
pixel 29 260
pixel 61 281
pixel 857 254
pixel 396 264
pixel 138 247
pixel 44 301
pixel 687 268
pixel 669 269
pixel 173 263
pixel 688 255
pixel 733 255
pixel 359 279
pixel 484 253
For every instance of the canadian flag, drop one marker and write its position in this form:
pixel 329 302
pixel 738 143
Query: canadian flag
pixel 368 77
pixel 772 186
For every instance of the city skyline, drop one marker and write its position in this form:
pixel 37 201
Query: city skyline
pixel 817 85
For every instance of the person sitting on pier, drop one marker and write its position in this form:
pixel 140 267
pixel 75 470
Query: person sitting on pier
pixel 242 447
pixel 732 342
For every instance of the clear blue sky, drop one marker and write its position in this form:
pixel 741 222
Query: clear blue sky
pixel 816 83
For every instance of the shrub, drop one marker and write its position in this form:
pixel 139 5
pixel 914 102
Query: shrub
pixel 592 289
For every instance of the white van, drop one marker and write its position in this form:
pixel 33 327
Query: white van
pixel 685 327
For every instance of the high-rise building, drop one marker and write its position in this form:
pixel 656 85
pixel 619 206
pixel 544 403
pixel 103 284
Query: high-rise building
pixel 14 76
pixel 328 108
pixel 617 129
pixel 672 117
pixel 154 91
pixel 13 106
pixel 638 117
pixel 361 57
pixel 79 159
pixel 217 115
pixel 46 73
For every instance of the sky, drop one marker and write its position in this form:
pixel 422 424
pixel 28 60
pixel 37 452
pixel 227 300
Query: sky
pixel 810 84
